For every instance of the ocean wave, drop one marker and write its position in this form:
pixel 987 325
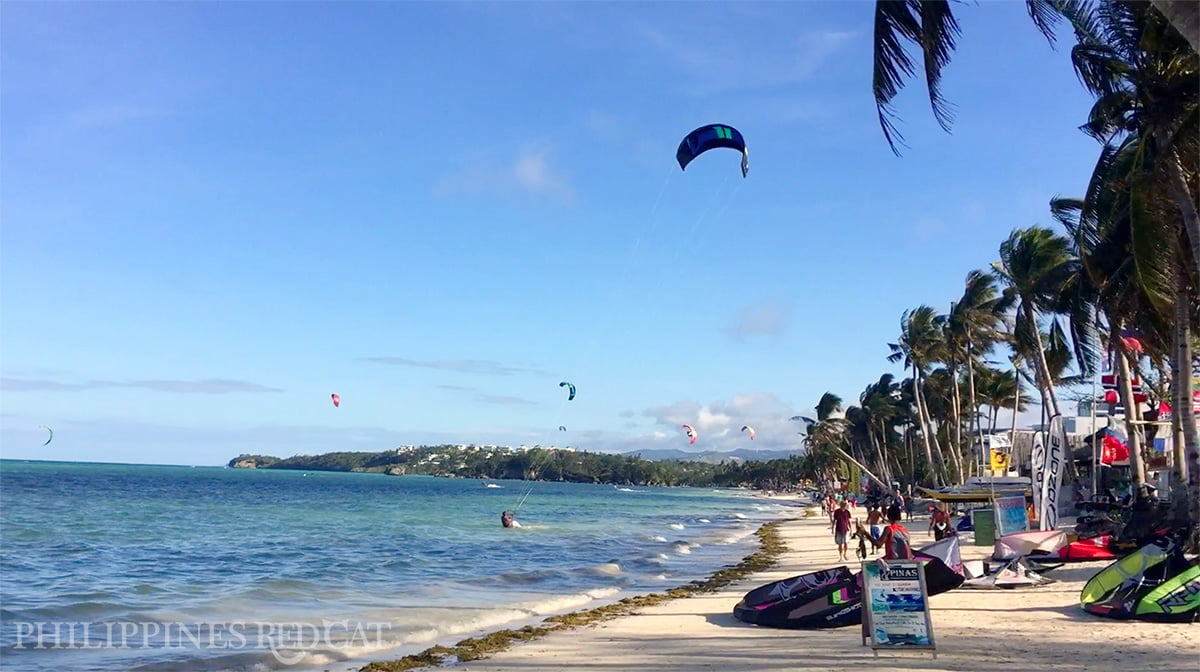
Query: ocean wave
pixel 536 576
pixel 603 569
pixel 676 526
pixel 734 537
pixel 681 547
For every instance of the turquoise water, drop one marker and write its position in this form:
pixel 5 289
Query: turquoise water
pixel 149 568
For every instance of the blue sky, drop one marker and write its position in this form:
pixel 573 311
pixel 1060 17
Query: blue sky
pixel 215 215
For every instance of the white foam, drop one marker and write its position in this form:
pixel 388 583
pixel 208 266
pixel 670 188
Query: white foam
pixel 676 526
pixel 734 537
pixel 681 547
pixel 605 568
pixel 705 520
pixel 658 538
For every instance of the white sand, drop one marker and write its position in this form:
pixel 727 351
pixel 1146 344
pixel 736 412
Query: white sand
pixel 975 631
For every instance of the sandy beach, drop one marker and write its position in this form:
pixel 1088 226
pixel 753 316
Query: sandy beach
pixel 975 631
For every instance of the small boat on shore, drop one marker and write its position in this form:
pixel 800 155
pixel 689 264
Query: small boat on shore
pixel 982 489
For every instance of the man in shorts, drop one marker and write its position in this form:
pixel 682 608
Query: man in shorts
pixel 841 530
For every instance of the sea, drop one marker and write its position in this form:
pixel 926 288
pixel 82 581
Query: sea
pixel 115 567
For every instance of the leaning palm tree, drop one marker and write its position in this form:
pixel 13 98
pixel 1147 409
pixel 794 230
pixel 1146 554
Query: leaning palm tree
pixel 827 433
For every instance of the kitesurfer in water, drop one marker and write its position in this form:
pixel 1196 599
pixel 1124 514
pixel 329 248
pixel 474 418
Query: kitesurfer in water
pixel 507 519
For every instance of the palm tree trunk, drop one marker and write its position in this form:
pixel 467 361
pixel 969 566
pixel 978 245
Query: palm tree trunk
pixel 858 464
pixel 957 447
pixel 933 470
pixel 1181 375
pixel 973 423
pixel 882 455
pixel 1184 201
pixel 1045 381
pixel 1132 414
pixel 1184 16
pixel 939 455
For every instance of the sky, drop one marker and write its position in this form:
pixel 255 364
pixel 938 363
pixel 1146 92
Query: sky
pixel 213 216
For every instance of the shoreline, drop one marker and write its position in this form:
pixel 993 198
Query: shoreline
pixel 481 647
pixel 975 630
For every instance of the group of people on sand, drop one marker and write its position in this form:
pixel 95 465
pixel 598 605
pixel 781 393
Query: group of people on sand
pixel 883 527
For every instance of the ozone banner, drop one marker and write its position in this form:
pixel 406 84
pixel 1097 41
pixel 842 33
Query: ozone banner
pixel 1037 467
pixel 1054 456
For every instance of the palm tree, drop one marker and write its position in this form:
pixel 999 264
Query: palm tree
pixel 1147 114
pixel 826 433
pixel 931 27
pixel 971 328
pixel 998 390
pixel 918 347
pixel 1036 266
pixel 1147 107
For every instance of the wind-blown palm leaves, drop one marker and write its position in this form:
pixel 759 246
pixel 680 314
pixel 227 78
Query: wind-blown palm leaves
pixel 930 27
pixel 918 347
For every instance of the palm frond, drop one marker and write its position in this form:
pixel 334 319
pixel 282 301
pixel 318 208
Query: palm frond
pixel 896 22
pixel 939 30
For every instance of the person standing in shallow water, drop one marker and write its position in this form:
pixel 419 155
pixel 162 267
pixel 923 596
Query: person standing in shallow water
pixel 507 520
pixel 841 529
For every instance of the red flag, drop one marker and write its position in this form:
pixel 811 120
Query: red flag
pixel 1113 450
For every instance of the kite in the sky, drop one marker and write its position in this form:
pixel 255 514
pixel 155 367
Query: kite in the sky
pixel 570 389
pixel 337 400
pixel 709 137
pixel 748 428
pixel 51 438
pixel 562 428
pixel 691 433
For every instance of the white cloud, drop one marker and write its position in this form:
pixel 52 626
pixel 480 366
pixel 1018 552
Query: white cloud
pixel 530 174
pixel 766 319
pixel 757 66
pixel 720 423
pixel 460 365
pixel 207 386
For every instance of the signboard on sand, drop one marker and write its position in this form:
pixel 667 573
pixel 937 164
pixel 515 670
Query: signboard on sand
pixel 1011 515
pixel 1048 463
pixel 896 605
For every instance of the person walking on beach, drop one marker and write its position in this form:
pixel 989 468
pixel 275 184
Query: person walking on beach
pixel 897 543
pixel 875 520
pixel 841 530
pixel 939 523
